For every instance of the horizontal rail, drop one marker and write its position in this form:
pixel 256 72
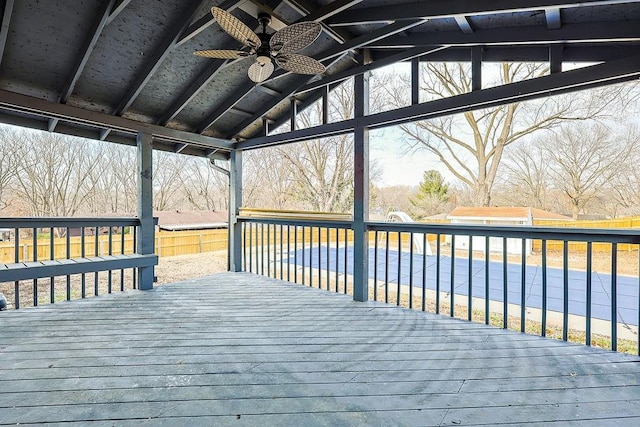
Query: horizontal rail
pixel 298 222
pixel 35 222
pixel 64 267
pixel 527 232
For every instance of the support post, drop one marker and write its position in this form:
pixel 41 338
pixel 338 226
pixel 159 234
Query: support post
pixel 555 58
pixel 325 104
pixel 415 81
pixel 476 68
pixel 361 191
pixel 235 202
pixel 145 207
pixel 294 113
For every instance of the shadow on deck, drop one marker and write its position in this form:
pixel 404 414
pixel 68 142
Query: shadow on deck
pixel 241 349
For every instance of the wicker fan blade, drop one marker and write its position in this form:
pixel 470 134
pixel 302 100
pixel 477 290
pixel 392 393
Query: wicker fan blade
pixel 235 28
pixel 295 37
pixel 259 72
pixel 221 53
pixel 299 64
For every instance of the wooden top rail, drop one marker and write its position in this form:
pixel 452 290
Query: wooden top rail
pixel 63 267
pixel 514 231
pixel 36 222
pixel 301 215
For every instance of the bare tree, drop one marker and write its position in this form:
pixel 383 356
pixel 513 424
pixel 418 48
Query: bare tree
pixel 116 190
pixel 471 145
pixel 8 163
pixel 526 177
pixel 392 198
pixel 323 172
pixel 322 169
pixel 56 174
pixel 622 194
pixel 584 161
pixel 204 187
pixel 272 180
pixel 168 169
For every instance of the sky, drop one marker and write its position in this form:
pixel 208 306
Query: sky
pixel 400 166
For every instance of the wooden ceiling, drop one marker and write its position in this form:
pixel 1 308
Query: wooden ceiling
pixel 107 69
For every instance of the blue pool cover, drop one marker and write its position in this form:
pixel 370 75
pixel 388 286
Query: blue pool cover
pixel 627 287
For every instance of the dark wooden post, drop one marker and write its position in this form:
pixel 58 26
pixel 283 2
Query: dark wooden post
pixel 361 192
pixel 145 207
pixel 235 202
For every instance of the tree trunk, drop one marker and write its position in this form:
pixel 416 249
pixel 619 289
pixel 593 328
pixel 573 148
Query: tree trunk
pixel 575 209
pixel 482 194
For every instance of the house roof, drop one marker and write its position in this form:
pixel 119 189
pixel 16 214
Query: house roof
pixel 107 69
pixel 191 220
pixel 504 213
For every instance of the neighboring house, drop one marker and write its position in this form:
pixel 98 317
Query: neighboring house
pixel 175 220
pixel 520 216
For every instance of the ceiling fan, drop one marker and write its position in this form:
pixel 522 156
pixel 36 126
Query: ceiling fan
pixel 280 47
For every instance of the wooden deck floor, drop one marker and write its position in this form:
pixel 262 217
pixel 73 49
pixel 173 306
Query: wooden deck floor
pixel 239 349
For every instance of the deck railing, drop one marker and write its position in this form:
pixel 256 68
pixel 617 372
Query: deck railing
pixel 279 247
pixel 62 252
pixel 507 276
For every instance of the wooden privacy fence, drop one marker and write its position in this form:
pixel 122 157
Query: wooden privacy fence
pixel 172 243
pixel 167 243
pixel 620 223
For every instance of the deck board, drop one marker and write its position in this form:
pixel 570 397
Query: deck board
pixel 246 350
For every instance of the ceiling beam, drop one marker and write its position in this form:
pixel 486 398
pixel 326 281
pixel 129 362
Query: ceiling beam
pixel 309 101
pixel 254 8
pixel 322 13
pixel 383 62
pixel 117 8
pixel 599 32
pixel 240 112
pixel 191 91
pixel 367 38
pixel 570 81
pixel 203 22
pixel 87 49
pixel 194 88
pixel 230 102
pixel 4 28
pixel 328 54
pixel 26 104
pixel 196 28
pixel 464 24
pixel 519 53
pixel 445 8
pixel 306 9
pixel 168 43
pixel 552 16
pixel 268 90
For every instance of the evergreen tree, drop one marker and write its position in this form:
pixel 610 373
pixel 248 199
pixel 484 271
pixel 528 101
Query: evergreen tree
pixel 432 196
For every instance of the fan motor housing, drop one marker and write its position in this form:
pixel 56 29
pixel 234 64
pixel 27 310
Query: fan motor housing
pixel 264 50
pixel 264 19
